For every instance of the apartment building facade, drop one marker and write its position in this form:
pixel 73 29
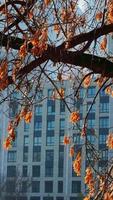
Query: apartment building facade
pixel 38 166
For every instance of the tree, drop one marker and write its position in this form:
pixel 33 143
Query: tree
pixel 56 40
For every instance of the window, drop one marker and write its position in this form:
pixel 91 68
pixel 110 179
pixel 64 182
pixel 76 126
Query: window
pixel 61 161
pixel 35 186
pixel 91 123
pixel 60 186
pixel 91 92
pixel 62 106
pixel 36 171
pixel 50 140
pixel 38 125
pixel 50 92
pixel 39 95
pixel 102 139
pixel 62 123
pixel 51 107
pixel 47 198
pixel 35 198
pixel 61 140
pixel 50 124
pixel 36 154
pixel 81 92
pixel 24 186
pixel 76 186
pixel 89 104
pixel 11 171
pixel 37 141
pixel 10 186
pixel 38 110
pixel 25 154
pixel 91 138
pixel 48 186
pixel 26 140
pixel 104 122
pixel 49 163
pixel 59 198
pixel 104 155
pixel 26 127
pixel 104 107
pixel 11 157
pixel 24 171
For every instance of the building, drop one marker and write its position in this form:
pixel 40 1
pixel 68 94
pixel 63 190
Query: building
pixel 39 160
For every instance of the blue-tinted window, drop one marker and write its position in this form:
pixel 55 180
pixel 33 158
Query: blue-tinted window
pixel 48 186
pixel 36 171
pixel 89 105
pixel 76 186
pixel 11 171
pixel 50 124
pixel 38 125
pixel 91 92
pixel 60 186
pixel 91 123
pixel 26 127
pixel 104 107
pixel 102 139
pixel 35 186
pixel 104 122
pixel 62 124
pixel 12 156
pixel 37 141
pixel 36 153
pixel 38 110
pixel 49 163
pixel 62 106
pixel 25 171
pixel 50 140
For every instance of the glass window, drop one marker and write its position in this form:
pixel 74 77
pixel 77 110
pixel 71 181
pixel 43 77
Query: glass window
pixel 10 186
pixel 11 157
pixel 104 122
pixel 104 107
pixel 60 186
pixel 37 141
pixel 50 140
pixel 62 123
pixel 35 198
pixel 38 125
pixel 48 186
pixel 104 155
pixel 26 127
pixel 59 198
pixel 61 161
pixel 25 154
pixel 38 110
pixel 89 105
pixel 35 186
pixel 62 106
pixel 61 140
pixel 24 171
pixel 26 140
pixel 76 186
pixel 49 163
pixel 50 93
pixel 11 171
pixel 81 92
pixel 102 139
pixel 39 95
pixel 91 138
pixel 51 125
pixel 91 123
pixel 91 92
pixel 36 171
pixel 47 198
pixel 37 154
pixel 24 186
pixel 51 107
